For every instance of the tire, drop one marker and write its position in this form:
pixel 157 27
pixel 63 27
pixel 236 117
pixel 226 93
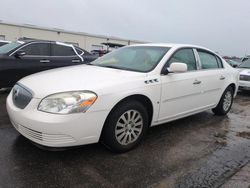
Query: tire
pixel 225 103
pixel 125 126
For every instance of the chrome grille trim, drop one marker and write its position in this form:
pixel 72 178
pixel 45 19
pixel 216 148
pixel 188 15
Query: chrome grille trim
pixel 43 137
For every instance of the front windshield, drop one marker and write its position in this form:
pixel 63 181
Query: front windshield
pixel 8 47
pixel 245 64
pixel 136 58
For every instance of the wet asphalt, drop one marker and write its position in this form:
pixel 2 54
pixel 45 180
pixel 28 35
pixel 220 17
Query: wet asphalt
pixel 199 151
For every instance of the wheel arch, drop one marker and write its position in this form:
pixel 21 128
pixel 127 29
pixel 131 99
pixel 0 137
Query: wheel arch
pixel 143 99
pixel 233 85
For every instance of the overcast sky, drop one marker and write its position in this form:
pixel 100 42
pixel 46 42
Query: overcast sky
pixel 221 25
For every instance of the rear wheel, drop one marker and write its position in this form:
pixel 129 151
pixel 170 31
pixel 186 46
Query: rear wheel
pixel 225 103
pixel 126 126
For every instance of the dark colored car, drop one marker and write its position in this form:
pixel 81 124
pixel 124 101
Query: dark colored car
pixel 3 42
pixel 21 58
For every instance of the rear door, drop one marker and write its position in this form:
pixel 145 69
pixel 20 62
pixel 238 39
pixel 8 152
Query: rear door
pixel 63 55
pixel 213 77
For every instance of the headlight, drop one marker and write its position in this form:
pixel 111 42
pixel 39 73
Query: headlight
pixel 68 102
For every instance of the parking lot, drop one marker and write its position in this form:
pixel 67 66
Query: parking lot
pixel 201 150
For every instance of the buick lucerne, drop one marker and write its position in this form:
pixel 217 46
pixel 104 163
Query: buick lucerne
pixel 116 98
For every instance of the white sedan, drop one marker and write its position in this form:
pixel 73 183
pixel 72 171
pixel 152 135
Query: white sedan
pixel 244 69
pixel 116 98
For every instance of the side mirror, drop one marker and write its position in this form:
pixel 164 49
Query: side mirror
pixel 20 53
pixel 235 66
pixel 177 67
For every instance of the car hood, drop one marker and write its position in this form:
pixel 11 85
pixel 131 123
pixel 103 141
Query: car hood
pixel 75 78
pixel 244 71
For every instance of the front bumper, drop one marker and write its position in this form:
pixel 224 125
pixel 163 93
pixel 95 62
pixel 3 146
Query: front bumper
pixel 244 85
pixel 54 130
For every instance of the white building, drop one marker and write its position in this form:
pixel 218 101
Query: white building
pixel 12 32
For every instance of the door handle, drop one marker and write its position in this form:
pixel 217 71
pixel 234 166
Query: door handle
pixel 76 61
pixel 196 82
pixel 222 78
pixel 44 61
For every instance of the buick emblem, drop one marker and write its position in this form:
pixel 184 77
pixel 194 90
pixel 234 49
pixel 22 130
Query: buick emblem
pixel 15 93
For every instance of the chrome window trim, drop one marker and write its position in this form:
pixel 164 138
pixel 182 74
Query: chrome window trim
pixel 57 43
pixel 30 44
pixel 212 53
pixel 69 46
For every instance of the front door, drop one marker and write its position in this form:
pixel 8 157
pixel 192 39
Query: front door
pixel 14 68
pixel 181 92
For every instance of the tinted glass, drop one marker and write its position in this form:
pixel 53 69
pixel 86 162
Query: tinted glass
pixel 2 43
pixel 8 47
pixel 59 50
pixel 37 49
pixel 141 59
pixel 184 56
pixel 208 60
pixel 79 51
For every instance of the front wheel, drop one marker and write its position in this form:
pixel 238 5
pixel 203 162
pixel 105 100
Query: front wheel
pixel 225 103
pixel 125 127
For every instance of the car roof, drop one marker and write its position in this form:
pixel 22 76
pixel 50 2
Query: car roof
pixel 171 45
pixel 33 40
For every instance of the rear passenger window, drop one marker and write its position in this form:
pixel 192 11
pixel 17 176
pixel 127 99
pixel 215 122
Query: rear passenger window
pixel 184 56
pixel 59 50
pixel 37 49
pixel 79 51
pixel 208 60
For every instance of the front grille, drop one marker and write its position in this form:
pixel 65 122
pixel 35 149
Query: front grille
pixel 245 77
pixel 21 97
pixel 43 137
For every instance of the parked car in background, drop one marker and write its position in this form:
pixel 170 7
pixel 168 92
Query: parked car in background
pixel 117 97
pixel 244 69
pixel 99 53
pixel 3 42
pixel 245 58
pixel 233 63
pixel 109 48
pixel 21 58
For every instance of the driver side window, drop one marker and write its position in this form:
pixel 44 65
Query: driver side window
pixel 37 49
pixel 184 56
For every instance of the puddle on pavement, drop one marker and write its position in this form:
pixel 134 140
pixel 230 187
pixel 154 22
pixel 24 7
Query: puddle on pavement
pixel 233 151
